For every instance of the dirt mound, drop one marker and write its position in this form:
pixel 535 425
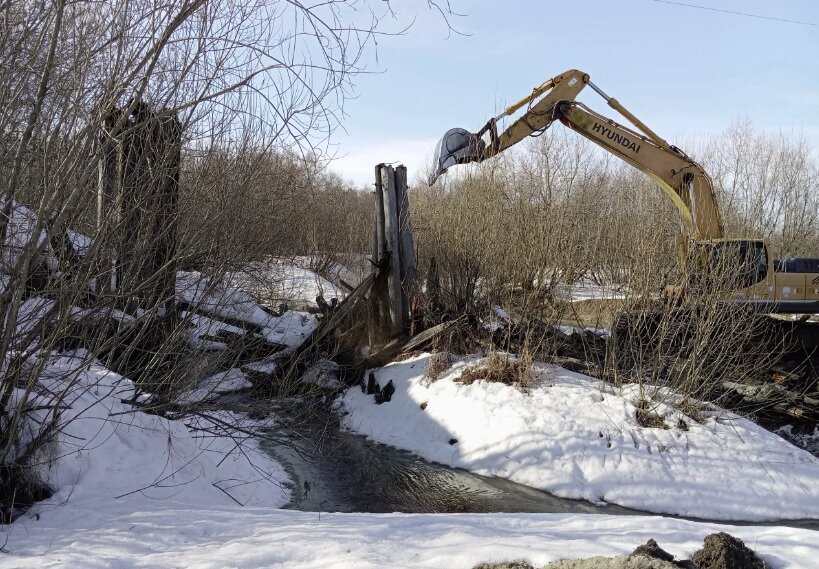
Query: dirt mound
pixel 652 550
pixel 631 562
pixel 723 551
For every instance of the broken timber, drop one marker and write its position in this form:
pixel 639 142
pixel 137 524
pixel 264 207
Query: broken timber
pixel 378 311
pixel 393 255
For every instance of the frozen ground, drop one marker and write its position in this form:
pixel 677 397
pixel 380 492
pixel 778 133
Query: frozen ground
pixel 578 438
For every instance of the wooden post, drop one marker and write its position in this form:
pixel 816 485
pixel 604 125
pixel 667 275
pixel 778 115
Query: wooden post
pixel 393 250
pixel 408 264
pixel 147 211
pixel 380 232
pixel 394 254
pixel 377 301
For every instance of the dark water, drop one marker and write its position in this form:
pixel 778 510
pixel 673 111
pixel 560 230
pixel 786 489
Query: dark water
pixel 337 471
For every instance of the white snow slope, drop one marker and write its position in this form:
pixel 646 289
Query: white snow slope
pixel 575 437
pixel 111 460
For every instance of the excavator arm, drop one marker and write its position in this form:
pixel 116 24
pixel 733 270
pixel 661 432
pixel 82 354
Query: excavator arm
pixel 681 178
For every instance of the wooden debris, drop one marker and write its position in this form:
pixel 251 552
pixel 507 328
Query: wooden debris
pixel 391 350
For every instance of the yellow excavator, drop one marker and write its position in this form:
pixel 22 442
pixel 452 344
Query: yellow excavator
pixel 757 280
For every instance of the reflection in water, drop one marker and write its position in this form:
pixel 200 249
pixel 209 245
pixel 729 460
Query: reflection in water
pixel 343 472
pixel 336 471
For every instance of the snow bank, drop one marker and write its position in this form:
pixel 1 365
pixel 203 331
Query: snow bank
pixel 111 457
pixel 573 436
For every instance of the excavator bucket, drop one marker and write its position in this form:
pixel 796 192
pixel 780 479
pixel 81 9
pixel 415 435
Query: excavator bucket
pixel 457 146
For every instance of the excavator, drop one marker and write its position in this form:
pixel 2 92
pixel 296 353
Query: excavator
pixel 757 279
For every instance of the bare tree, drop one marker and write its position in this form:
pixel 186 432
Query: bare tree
pixel 767 184
pixel 88 93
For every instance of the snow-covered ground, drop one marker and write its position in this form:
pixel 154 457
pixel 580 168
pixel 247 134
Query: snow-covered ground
pixel 210 536
pixel 136 490
pixel 289 281
pixel 579 438
pixel 109 452
pixel 587 290
pixel 289 329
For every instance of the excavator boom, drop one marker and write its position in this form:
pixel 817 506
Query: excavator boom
pixel 681 178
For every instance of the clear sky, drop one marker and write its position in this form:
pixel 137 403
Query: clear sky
pixel 685 72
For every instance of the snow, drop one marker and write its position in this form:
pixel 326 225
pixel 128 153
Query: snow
pixel 219 383
pixel 21 229
pixel 289 281
pixel 137 490
pixel 576 437
pixel 569 330
pixel 587 290
pixel 289 329
pixel 209 536
pixel 498 319
pixel 110 456
pixel 202 329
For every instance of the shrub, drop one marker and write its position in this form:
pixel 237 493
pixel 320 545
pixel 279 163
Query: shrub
pixel 501 368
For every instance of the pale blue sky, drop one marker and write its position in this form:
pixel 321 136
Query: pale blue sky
pixel 685 72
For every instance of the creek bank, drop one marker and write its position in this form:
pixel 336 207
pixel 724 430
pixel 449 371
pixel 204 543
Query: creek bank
pixel 578 437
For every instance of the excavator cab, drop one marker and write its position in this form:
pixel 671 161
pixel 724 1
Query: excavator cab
pixel 727 267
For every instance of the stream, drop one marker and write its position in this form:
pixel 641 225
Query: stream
pixel 337 471
pixel 333 470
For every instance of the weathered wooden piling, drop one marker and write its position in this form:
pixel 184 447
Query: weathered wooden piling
pixel 408 262
pixel 137 216
pixel 137 208
pixel 393 258
pixel 394 255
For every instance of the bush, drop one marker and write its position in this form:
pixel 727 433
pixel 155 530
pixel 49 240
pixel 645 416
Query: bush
pixel 500 368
